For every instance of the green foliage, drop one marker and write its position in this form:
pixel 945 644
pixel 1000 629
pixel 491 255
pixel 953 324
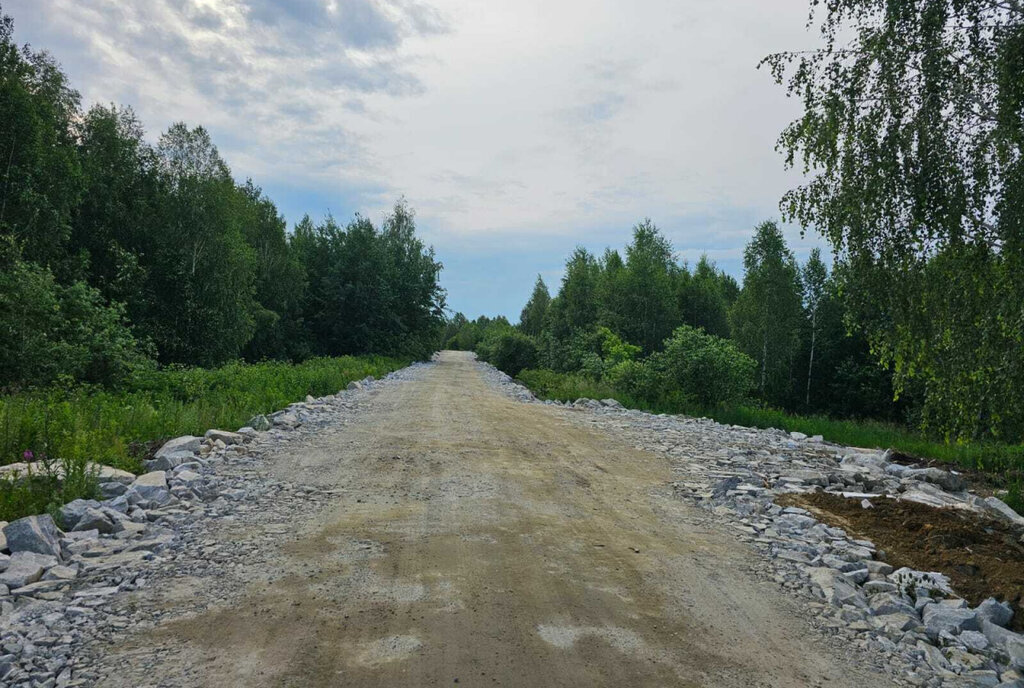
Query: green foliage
pixel 913 141
pixel 647 297
pixel 40 175
pixel 110 246
pixel 768 315
pixel 549 384
pixel 77 425
pixel 509 350
pixel 50 332
pixel 370 289
pixel 531 320
pixel 705 297
pixel 702 369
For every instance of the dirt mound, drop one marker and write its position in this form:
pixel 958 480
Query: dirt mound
pixel 982 557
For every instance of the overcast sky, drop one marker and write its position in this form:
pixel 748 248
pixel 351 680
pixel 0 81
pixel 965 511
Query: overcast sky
pixel 516 130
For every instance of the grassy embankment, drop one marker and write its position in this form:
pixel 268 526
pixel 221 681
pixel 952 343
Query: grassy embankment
pixel 70 427
pixel 1003 464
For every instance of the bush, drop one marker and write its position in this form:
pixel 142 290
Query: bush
pixel 549 384
pixel 701 368
pixel 510 351
pixel 51 332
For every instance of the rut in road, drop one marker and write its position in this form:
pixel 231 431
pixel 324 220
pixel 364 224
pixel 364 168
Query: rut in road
pixel 482 540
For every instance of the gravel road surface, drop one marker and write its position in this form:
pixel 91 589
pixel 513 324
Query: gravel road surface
pixel 460 536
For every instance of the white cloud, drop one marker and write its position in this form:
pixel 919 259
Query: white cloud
pixel 498 121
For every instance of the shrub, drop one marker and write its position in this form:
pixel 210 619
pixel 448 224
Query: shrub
pixel 51 332
pixel 702 368
pixel 510 351
pixel 549 384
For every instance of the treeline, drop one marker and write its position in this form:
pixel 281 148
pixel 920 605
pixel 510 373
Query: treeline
pixel 659 330
pixel 115 253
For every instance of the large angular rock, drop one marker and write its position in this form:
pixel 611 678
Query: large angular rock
pixel 1009 642
pixel 174 452
pixel 95 519
pixel 940 617
pixel 25 568
pixel 936 476
pixel 354 385
pixel 71 512
pixel 224 436
pixel 150 487
pixel 836 588
pixel 997 612
pixel 33 534
pixel 909 579
pixel 185 443
pixel 109 474
pixel 998 508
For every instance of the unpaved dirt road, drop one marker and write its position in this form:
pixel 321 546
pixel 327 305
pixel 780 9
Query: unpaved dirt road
pixel 486 542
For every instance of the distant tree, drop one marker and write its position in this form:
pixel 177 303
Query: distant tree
pixel 650 311
pixel 40 175
pixel 449 336
pixel 766 318
pixel 280 280
pixel 703 297
pixel 577 302
pixel 815 282
pixel 114 234
pixel 531 320
pixel 204 279
pixel 912 138
pixel 612 311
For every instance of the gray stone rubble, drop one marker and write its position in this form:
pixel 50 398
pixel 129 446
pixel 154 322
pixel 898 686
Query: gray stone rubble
pixel 912 621
pixel 66 594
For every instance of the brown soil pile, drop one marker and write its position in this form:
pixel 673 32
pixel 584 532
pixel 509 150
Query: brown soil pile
pixel 982 557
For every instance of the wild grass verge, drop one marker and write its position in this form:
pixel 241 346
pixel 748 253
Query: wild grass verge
pixel 1004 464
pixel 71 427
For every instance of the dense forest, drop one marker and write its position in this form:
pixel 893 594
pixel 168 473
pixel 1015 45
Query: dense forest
pixel 912 147
pixel 117 254
pixel 655 328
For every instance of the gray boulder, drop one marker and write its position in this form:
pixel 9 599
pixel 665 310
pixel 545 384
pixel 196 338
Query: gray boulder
pixel 997 612
pixel 95 519
pixel 113 489
pixel 71 512
pixel 940 617
pixel 174 452
pixel 224 436
pixel 998 508
pixel 185 443
pixel 33 534
pixel 354 385
pixel 150 487
pixel 936 476
pixel 25 568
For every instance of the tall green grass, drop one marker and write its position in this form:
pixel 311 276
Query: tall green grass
pixel 78 425
pixel 1003 463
